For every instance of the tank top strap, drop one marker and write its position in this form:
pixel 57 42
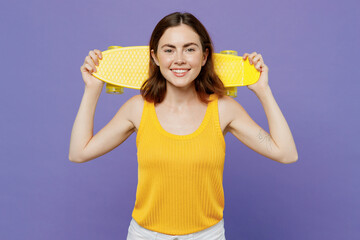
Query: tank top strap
pixel 215 116
pixel 144 119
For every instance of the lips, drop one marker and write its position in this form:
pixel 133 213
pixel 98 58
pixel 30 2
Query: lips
pixel 180 72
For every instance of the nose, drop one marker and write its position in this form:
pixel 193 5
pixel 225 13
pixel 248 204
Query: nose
pixel 179 58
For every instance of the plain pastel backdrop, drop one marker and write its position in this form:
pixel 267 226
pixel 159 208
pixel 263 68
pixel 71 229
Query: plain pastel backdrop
pixel 312 51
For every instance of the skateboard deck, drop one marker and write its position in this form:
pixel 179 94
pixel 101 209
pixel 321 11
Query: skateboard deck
pixel 129 67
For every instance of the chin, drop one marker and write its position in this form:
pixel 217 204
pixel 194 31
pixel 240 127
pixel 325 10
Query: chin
pixel 181 84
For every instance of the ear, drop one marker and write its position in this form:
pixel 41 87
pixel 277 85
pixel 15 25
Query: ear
pixel 153 55
pixel 206 53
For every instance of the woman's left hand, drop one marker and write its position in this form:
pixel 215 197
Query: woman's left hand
pixel 257 60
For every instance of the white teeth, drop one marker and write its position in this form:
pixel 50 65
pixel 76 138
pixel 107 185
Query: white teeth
pixel 179 71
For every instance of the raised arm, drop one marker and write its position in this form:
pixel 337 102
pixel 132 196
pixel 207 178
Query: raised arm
pixel 83 145
pixel 279 145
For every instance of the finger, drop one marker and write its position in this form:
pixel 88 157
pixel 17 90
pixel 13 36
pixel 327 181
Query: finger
pixel 251 56
pixel 258 65
pixel 264 67
pixel 84 68
pixel 245 55
pixel 94 57
pixel 89 68
pixel 98 52
pixel 258 57
pixel 89 61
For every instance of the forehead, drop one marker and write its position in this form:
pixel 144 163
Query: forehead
pixel 179 35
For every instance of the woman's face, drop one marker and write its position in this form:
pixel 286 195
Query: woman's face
pixel 180 56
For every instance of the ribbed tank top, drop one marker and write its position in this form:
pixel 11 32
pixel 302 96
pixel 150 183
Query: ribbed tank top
pixel 180 189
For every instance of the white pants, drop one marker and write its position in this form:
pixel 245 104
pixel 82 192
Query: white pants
pixel 136 232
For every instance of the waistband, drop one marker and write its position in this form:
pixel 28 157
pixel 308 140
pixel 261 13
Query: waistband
pixel 215 232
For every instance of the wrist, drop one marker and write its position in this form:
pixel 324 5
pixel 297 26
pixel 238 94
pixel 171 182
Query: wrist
pixel 93 90
pixel 94 87
pixel 263 92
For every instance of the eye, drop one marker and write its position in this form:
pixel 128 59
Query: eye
pixel 168 50
pixel 190 49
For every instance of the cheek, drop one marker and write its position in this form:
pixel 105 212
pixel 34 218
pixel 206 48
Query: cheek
pixel 165 61
pixel 195 60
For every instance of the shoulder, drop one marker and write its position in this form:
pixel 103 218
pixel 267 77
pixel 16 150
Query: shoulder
pixel 135 104
pixel 229 109
pixel 228 105
pixel 134 108
pixel 136 101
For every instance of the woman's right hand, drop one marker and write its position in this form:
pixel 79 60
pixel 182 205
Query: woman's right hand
pixel 89 67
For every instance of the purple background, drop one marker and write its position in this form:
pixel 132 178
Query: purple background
pixel 312 51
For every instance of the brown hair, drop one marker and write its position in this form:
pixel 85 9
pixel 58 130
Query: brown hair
pixel 207 82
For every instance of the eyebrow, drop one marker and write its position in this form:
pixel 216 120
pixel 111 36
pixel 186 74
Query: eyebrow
pixel 185 45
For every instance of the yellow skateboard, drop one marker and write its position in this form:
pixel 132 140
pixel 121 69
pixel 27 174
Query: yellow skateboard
pixel 129 67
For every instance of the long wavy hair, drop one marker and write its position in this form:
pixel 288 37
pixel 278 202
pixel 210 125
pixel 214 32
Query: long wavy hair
pixel 207 82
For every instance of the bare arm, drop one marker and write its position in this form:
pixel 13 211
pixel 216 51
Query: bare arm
pixel 83 145
pixel 279 145
pixel 82 130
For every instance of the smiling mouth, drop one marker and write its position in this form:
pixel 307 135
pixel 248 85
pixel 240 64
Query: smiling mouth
pixel 180 72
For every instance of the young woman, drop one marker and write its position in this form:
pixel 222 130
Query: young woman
pixel 181 118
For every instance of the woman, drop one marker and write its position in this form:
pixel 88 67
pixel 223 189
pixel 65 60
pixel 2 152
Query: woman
pixel 181 118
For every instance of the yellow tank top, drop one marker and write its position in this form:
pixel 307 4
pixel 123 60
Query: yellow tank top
pixel 180 188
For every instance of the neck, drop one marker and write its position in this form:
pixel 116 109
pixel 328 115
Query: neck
pixel 179 97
